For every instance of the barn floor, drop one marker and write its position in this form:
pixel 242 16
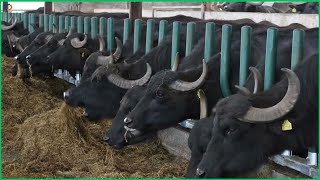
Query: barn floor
pixel 42 137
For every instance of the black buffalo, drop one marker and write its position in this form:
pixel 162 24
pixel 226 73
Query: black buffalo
pixel 305 8
pixel 157 108
pixel 248 7
pixel 248 129
pixel 40 40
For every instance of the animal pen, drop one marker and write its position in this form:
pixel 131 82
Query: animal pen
pixel 94 27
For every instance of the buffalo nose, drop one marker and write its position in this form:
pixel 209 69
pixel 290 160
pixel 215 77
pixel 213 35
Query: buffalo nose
pixel 16 58
pixel 127 120
pixel 200 172
pixel 106 139
pixel 28 57
pixel 66 95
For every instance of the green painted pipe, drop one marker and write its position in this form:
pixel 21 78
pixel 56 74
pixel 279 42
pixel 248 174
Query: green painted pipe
pixel 80 24
pixel 209 41
pixel 126 30
pixel 245 51
pixel 297 47
pixel 191 32
pixel 163 30
pixel 25 20
pixel 225 59
pixel 137 34
pixel 67 23
pixel 175 40
pixel 103 27
pixel 32 20
pixel 271 57
pixel 50 24
pixel 94 27
pixel 86 29
pixel 41 19
pixel 9 16
pixel 110 33
pixel 5 16
pixel 55 22
pixel 19 16
pixel 150 35
pixel 46 22
pixel 73 22
pixel 61 24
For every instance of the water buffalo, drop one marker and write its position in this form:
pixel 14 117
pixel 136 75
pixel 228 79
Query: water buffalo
pixel 40 40
pixel 248 7
pixel 305 8
pixel 156 109
pixel 249 129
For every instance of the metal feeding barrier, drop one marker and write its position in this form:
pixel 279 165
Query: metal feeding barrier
pixel 105 28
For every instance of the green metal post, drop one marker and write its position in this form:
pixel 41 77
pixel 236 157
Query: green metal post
pixel 32 20
pixel 126 29
pixel 297 47
pixel 191 31
pixel 225 59
pixel 137 34
pixel 209 41
pixel 175 40
pixel 19 16
pixel 80 24
pixel 245 51
pixel 73 22
pixel 103 27
pixel 110 33
pixel 94 27
pixel 271 57
pixel 163 30
pixel 5 16
pixel 46 22
pixel 50 24
pixel 61 24
pixel 41 20
pixel 150 35
pixel 55 22
pixel 86 29
pixel 9 16
pixel 67 23
pixel 25 20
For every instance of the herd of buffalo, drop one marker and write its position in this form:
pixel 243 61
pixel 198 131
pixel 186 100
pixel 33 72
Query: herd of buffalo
pixel 143 94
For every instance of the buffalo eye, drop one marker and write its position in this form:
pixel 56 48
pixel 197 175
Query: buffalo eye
pixel 159 94
pixel 228 131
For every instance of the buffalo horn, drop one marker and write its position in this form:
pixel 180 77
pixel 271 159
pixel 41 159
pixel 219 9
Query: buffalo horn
pixel 176 63
pixel 76 43
pixel 203 104
pixel 180 85
pixel 69 33
pixel 6 28
pixel 102 44
pixel 258 83
pixel 255 115
pixel 243 90
pixel 127 84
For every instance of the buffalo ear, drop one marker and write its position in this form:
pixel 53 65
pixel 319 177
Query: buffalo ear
pixel 249 8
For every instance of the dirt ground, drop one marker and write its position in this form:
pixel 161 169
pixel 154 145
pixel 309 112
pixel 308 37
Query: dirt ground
pixel 43 137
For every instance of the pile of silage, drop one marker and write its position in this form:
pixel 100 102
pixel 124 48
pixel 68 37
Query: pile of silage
pixel 46 138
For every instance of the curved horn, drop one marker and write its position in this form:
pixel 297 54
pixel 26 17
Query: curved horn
pixel 102 44
pixel 60 42
pixel 176 62
pixel 180 85
pixel 258 83
pixel 54 28
pixel 48 37
pixel 76 43
pixel 69 33
pixel 127 84
pixel 104 60
pixel 243 90
pixel 255 115
pixel 203 104
pixel 118 52
pixel 6 28
pixel 10 19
